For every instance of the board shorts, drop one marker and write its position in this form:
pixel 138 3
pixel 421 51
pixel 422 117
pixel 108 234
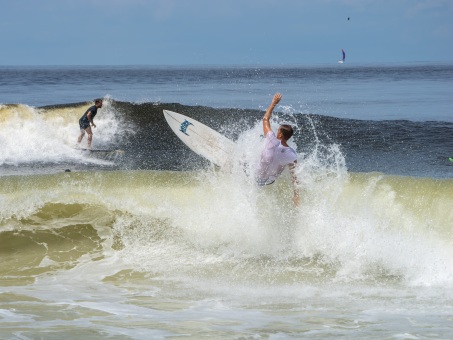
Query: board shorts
pixel 84 123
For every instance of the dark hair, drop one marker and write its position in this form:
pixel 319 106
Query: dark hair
pixel 287 131
pixel 99 100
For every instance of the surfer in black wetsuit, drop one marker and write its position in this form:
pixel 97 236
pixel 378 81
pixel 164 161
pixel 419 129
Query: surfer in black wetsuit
pixel 87 119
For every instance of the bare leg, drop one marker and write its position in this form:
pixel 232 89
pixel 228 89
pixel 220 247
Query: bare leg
pixel 90 136
pixel 82 133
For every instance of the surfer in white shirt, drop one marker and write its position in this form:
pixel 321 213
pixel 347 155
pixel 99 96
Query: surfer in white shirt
pixel 276 154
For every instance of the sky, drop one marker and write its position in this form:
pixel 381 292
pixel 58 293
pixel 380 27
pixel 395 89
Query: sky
pixel 224 32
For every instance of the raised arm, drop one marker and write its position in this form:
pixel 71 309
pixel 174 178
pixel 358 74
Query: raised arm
pixel 268 114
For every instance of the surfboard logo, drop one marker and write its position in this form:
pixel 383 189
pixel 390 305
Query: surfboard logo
pixel 184 125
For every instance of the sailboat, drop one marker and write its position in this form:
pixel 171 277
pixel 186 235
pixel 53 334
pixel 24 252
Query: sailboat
pixel 344 57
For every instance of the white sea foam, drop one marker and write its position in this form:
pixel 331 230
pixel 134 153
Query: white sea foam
pixel 355 231
pixel 212 248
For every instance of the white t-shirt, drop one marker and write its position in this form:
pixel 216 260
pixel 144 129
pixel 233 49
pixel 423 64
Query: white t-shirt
pixel 274 158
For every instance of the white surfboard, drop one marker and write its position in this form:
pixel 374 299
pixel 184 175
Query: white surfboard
pixel 101 150
pixel 201 139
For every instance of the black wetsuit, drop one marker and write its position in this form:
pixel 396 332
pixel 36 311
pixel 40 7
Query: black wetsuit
pixel 84 122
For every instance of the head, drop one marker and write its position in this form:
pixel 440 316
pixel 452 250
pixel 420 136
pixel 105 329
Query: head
pixel 284 132
pixel 98 103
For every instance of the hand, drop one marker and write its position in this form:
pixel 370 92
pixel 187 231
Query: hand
pixel 93 125
pixel 276 99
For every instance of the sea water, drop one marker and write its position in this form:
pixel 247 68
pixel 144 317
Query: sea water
pixel 156 242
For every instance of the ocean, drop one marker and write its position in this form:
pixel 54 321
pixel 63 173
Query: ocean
pixel 153 241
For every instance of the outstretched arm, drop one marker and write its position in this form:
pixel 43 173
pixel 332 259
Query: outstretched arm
pixel 268 114
pixel 292 171
pixel 90 119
